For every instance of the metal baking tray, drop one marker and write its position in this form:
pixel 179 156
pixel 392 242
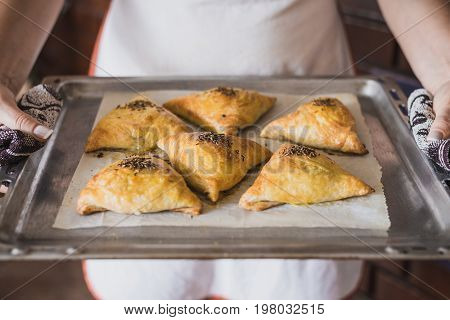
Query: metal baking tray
pixel 417 193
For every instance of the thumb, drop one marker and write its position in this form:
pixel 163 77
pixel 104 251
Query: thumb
pixel 27 124
pixel 440 129
pixel 14 118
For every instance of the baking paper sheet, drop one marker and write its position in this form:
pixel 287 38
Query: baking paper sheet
pixel 368 212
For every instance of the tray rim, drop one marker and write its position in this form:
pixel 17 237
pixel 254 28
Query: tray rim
pixel 14 251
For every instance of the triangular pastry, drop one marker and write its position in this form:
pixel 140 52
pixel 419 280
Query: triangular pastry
pixel 222 110
pixel 322 123
pixel 299 175
pixel 134 126
pixel 138 184
pixel 212 162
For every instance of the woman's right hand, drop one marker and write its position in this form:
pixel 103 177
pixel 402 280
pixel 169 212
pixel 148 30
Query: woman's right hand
pixel 440 129
pixel 14 118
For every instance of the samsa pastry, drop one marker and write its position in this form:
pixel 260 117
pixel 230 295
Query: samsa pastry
pixel 134 126
pixel 138 184
pixel 299 175
pixel 212 162
pixel 322 123
pixel 222 110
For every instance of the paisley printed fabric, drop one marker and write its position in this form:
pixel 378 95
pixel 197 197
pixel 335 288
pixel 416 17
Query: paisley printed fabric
pixel 44 104
pixel 421 117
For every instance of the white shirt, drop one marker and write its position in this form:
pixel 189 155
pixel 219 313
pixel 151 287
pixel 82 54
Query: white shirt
pixel 228 37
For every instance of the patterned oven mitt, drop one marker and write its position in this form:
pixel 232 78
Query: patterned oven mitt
pixel 421 116
pixel 44 104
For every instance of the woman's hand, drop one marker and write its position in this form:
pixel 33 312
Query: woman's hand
pixel 423 35
pixel 12 117
pixel 440 129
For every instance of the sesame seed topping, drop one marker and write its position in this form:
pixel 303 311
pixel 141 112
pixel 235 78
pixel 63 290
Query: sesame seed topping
pixel 324 102
pixel 297 150
pixel 229 92
pixel 221 140
pixel 138 163
pixel 138 105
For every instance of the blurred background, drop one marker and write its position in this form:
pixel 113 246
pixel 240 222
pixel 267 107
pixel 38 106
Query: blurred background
pixel 78 27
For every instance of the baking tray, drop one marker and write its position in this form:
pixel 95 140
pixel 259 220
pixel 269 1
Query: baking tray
pixel 417 192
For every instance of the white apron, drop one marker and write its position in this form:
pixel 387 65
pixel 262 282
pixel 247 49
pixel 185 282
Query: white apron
pixel 213 37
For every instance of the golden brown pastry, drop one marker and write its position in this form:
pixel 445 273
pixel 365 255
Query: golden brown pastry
pixel 212 162
pixel 138 184
pixel 134 126
pixel 222 110
pixel 299 175
pixel 322 123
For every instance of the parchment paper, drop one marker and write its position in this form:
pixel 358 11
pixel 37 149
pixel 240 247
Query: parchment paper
pixel 368 212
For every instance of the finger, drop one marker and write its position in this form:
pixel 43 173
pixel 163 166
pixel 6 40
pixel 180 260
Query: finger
pixel 440 129
pixel 12 117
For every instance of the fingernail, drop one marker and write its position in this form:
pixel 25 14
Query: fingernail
pixel 435 135
pixel 42 132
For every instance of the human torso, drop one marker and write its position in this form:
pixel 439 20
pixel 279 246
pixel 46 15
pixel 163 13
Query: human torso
pixel 212 37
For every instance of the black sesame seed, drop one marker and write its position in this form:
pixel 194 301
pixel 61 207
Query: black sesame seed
pixel 221 140
pixel 138 105
pixel 297 150
pixel 324 102
pixel 229 92
pixel 138 163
